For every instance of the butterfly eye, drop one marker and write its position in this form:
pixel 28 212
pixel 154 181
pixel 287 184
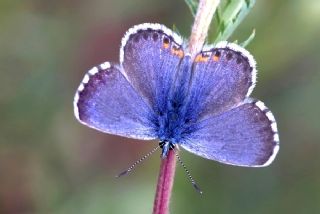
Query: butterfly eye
pixel 161 144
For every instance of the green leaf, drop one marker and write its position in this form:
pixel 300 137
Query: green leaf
pixel 193 6
pixel 232 14
pixel 232 10
pixel 218 16
pixel 249 39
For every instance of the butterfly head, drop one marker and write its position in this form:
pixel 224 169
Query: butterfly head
pixel 166 146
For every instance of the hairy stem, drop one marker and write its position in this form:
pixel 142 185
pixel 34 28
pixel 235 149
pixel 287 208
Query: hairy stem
pixel 201 24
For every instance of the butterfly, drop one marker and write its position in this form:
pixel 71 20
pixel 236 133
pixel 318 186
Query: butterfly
pixel 200 102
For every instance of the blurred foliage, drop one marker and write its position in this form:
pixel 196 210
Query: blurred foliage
pixel 49 163
pixel 229 16
pixel 193 6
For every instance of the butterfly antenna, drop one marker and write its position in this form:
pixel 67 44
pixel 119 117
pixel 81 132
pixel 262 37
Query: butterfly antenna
pixel 137 162
pixel 188 174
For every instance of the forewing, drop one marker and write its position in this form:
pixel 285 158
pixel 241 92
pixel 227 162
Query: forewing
pixel 222 77
pixel 244 136
pixel 106 101
pixel 150 55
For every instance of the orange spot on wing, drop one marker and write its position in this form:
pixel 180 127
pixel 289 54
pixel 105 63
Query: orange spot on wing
pixel 166 43
pixel 197 59
pixel 174 50
pixel 215 58
pixel 201 58
pixel 180 54
pixel 177 51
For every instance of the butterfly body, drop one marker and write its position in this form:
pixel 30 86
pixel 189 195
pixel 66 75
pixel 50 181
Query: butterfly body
pixel 201 102
pixel 172 118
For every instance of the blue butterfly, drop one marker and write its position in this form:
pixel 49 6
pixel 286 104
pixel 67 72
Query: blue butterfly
pixel 199 102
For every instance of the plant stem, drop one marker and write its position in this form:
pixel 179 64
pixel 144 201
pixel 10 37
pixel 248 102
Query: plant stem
pixel 165 183
pixel 199 33
pixel 201 24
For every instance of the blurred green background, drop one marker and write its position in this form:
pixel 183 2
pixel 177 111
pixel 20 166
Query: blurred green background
pixel 49 163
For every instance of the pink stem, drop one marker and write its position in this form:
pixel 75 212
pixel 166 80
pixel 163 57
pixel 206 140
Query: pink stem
pixel 165 183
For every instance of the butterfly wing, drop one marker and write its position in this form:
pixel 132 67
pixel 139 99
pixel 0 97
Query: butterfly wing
pixel 222 77
pixel 228 126
pixel 106 101
pixel 151 55
pixel 243 136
